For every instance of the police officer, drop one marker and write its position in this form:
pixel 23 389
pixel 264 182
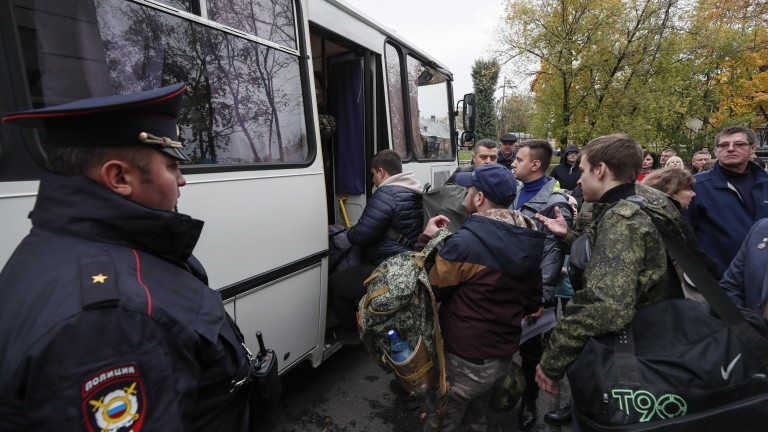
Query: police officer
pixel 106 319
pixel 507 150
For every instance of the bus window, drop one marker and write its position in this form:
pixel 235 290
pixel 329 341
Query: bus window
pixel 430 111
pixel 244 104
pixel 272 20
pixel 396 105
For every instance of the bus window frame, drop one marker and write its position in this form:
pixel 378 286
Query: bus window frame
pixel 404 51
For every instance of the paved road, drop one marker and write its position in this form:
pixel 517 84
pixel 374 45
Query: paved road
pixel 349 392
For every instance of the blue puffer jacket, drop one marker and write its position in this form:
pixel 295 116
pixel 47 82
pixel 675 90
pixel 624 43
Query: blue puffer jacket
pixel 396 204
pixel 718 217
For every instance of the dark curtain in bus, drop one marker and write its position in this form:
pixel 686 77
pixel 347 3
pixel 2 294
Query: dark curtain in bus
pixel 346 88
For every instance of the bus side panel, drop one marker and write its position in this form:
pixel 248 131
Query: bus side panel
pixel 287 313
pixel 256 221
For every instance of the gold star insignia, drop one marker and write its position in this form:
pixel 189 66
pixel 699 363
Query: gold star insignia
pixel 100 278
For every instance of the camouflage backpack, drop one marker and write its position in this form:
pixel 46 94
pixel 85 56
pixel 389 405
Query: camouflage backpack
pixel 400 297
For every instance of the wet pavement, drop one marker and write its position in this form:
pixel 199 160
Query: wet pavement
pixel 349 392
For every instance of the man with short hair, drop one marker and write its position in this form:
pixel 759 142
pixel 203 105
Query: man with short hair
pixel 106 318
pixel 507 149
pixel 622 233
pixel 665 155
pixel 487 278
pixel 538 195
pixel 392 219
pixel 698 160
pixel 730 197
pixel 484 153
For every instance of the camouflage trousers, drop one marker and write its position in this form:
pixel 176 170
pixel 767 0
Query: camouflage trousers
pixel 471 388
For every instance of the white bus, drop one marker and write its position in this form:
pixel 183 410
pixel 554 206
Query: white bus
pixel 264 175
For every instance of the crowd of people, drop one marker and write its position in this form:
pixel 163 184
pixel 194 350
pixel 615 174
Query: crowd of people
pixel 107 209
pixel 714 205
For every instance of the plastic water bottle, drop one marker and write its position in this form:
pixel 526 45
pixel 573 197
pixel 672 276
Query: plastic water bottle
pixel 399 349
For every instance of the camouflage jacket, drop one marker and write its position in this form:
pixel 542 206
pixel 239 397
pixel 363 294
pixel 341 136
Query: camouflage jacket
pixel 627 270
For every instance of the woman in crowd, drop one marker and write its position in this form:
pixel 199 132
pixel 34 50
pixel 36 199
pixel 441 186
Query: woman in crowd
pixel 675 162
pixel 650 164
pixel 678 184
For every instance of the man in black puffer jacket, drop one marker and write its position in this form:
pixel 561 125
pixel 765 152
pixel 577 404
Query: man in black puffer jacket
pixel 390 224
pixel 393 218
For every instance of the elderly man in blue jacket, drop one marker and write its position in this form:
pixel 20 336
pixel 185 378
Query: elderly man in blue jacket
pixel 730 197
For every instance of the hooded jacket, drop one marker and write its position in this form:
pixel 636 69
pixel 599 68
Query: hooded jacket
pixel 488 278
pixel 566 173
pixel 396 204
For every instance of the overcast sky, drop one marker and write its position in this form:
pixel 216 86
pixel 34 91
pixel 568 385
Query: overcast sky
pixel 455 32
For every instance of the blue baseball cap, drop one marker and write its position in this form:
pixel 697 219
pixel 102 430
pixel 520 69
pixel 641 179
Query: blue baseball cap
pixel 495 181
pixel 144 118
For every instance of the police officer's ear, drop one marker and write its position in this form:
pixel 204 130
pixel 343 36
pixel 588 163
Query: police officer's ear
pixel 118 176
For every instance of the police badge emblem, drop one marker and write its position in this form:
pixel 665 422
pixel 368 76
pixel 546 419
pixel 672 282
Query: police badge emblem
pixel 114 399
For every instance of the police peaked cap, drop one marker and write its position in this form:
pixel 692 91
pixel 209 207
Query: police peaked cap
pixel 508 137
pixel 145 118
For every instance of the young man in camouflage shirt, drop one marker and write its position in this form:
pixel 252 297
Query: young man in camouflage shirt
pixel 628 265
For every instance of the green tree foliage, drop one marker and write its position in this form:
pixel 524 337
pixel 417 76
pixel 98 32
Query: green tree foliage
pixel 650 68
pixel 485 75
pixel 516 110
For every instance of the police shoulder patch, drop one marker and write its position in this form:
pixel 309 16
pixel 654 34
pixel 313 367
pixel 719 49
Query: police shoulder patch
pixel 113 399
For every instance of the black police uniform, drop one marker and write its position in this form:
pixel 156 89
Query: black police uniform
pixel 107 322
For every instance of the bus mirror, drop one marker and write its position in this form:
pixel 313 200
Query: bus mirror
pixel 468 116
pixel 467 137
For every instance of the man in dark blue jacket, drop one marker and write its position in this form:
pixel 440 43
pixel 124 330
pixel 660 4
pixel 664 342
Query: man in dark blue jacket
pixel 393 217
pixel 106 319
pixel 390 224
pixel 730 197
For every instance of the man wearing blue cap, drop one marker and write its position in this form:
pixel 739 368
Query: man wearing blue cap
pixel 120 330
pixel 487 277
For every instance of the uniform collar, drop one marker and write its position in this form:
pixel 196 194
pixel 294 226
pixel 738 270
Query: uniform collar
pixel 82 208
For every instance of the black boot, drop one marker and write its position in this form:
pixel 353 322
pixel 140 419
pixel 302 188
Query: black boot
pixel 559 417
pixel 527 419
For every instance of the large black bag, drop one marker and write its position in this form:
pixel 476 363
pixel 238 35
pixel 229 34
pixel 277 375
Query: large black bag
pixel 678 366
pixel 675 359
pixel 342 253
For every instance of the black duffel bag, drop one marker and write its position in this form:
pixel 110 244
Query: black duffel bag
pixel 679 365
pixel 675 360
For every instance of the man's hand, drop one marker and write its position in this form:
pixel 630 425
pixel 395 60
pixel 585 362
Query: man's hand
pixel 435 224
pixel 557 226
pixel 532 318
pixel 544 382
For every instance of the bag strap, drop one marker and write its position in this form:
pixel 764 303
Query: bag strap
pixel 399 238
pixel 344 254
pixel 438 335
pixel 436 242
pixel 717 298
